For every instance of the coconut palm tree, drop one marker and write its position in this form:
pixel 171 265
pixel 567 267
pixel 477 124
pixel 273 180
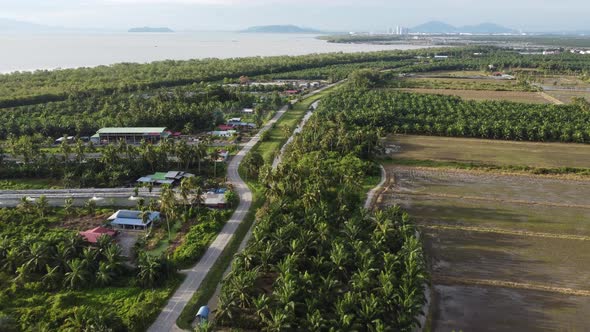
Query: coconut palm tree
pixel 36 257
pixel 168 206
pixel 53 277
pixel 68 206
pixel 42 205
pixel 77 275
pixel 148 270
pixel 104 274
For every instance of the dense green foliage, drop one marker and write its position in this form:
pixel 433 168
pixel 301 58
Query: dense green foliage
pixel 199 236
pixel 51 279
pixel 43 85
pixel 334 73
pixel 408 113
pixel 316 260
pixel 183 108
pixel 79 166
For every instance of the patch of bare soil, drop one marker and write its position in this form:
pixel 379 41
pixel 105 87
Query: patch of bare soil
pixel 507 252
pixel 82 223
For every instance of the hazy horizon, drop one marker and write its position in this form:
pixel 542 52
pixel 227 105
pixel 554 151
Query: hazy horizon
pixel 329 15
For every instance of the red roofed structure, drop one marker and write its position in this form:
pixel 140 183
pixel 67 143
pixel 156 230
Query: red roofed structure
pixel 92 235
pixel 225 127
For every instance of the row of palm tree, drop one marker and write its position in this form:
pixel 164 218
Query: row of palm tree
pixel 115 164
pixel 316 259
pixel 62 261
pixel 409 113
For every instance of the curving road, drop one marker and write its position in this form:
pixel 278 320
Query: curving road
pixel 166 321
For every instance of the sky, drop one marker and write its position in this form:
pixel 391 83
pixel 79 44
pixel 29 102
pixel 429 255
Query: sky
pixel 330 15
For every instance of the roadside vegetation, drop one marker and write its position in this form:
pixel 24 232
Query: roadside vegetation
pixel 406 113
pixel 53 280
pixel 315 257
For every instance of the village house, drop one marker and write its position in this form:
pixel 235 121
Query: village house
pixel 170 178
pixel 133 220
pixel 92 235
pixel 215 199
pixel 223 155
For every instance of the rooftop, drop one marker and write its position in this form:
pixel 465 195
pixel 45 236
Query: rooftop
pixel 92 235
pixel 132 130
pixel 132 217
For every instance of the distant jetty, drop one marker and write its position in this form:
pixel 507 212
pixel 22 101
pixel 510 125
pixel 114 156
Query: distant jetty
pixel 150 29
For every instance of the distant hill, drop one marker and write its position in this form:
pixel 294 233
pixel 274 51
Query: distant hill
pixel 280 29
pixel 7 25
pixel 150 29
pixel 442 27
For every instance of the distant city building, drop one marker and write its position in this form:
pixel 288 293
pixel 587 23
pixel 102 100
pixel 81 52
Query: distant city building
pixel 399 30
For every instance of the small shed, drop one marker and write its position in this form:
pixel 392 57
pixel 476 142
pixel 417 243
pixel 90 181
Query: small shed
pixel 214 199
pixel 92 235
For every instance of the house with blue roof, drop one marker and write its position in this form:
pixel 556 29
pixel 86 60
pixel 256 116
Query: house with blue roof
pixel 133 219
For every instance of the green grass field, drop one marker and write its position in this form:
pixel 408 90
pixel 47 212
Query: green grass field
pixel 29 183
pixel 494 152
pixel 276 136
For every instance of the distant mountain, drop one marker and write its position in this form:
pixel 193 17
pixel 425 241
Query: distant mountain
pixel 441 27
pixel 7 25
pixel 434 27
pixel 279 29
pixel 150 29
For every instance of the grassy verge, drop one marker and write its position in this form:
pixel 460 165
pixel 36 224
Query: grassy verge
pixel 276 136
pixel 207 289
pixel 575 171
pixel 267 149
pixel 27 183
pixel 162 234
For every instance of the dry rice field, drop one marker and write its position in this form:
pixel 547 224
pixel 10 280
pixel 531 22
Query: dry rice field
pixel 507 252
pixel 567 96
pixel 482 151
pixel 480 95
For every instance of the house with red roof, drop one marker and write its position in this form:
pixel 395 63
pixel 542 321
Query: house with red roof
pixel 92 235
pixel 225 127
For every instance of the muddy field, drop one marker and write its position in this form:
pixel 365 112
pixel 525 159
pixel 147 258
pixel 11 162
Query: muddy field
pixel 567 96
pixel 508 253
pixel 482 151
pixel 462 308
pixel 480 95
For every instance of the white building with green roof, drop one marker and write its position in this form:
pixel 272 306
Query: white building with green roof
pixel 132 135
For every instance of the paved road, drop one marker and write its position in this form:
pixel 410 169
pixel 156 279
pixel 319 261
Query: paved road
pixel 57 197
pixel 166 321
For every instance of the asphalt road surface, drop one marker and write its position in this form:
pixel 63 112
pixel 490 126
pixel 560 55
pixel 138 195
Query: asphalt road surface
pixel 166 321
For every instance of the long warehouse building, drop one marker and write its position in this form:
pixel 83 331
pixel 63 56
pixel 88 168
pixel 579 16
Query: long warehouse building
pixel 132 135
